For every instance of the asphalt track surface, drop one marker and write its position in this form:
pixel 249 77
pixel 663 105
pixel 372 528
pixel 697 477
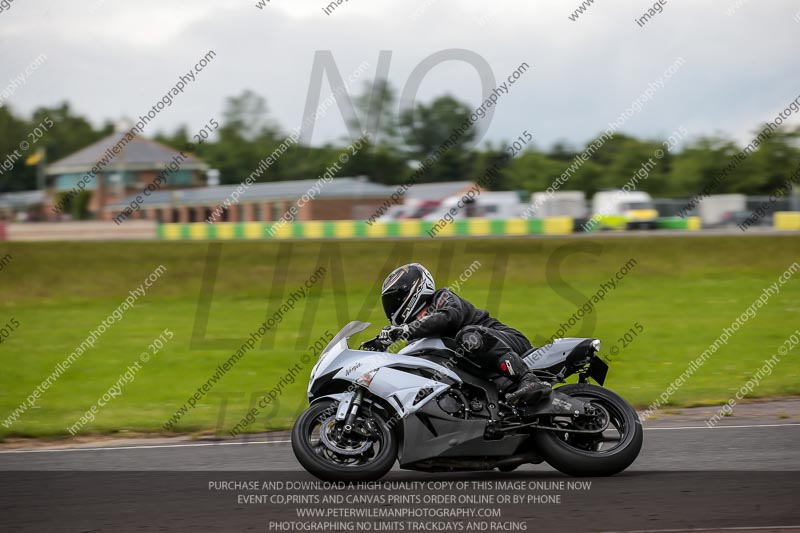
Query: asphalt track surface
pixel 687 478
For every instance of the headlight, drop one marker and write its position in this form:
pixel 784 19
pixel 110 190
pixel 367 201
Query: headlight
pixel 366 379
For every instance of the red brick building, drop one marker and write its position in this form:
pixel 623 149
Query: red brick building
pixel 339 199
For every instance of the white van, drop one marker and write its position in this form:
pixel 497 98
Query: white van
pixel 502 204
pixel 558 204
pixel 618 209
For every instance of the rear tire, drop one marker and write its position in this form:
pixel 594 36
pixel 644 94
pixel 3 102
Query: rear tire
pixel 323 463
pixel 569 457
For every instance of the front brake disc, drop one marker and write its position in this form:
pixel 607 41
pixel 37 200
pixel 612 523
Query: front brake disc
pixel 324 436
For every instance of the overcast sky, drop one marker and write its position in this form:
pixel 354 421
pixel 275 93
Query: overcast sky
pixel 112 59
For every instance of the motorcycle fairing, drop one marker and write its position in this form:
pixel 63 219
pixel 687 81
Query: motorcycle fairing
pixel 431 433
pixel 406 392
pixel 383 372
pixel 428 344
pixel 552 354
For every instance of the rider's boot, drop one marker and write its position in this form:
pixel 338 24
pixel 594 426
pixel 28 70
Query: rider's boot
pixel 530 390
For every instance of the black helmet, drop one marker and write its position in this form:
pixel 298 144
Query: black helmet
pixel 405 292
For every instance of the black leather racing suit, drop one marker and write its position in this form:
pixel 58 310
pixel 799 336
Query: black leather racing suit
pixel 449 315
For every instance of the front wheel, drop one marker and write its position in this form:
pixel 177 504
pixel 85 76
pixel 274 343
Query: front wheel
pixel 327 451
pixel 593 454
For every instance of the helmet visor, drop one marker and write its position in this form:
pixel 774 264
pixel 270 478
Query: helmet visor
pixel 392 301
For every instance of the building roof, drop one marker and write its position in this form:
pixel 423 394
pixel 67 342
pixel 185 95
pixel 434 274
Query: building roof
pixel 21 199
pixel 290 191
pixel 438 191
pixel 138 154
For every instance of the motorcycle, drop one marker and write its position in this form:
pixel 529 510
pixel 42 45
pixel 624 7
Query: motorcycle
pixel 433 410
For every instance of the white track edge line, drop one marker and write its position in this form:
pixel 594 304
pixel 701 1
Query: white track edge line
pixel 202 444
pixel 724 427
pixel 700 530
pixel 146 447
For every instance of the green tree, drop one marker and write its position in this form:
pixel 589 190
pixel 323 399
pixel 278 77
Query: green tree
pixel 483 160
pixel 69 133
pixel 562 151
pixel 533 171
pixel 377 102
pixel 246 117
pixel 177 140
pixel 382 158
pixel 427 127
pixel 14 130
pixel 700 163
pixel 427 130
pixel 772 164
pixel 246 136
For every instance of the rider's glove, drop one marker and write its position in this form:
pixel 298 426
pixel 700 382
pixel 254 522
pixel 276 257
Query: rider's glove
pixel 389 334
pixel 374 345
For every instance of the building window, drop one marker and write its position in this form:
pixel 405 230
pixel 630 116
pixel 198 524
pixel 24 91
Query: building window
pixel 277 212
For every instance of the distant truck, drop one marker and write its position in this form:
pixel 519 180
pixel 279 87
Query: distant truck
pixel 502 204
pixel 619 209
pixel 558 204
pixel 412 208
pixel 722 209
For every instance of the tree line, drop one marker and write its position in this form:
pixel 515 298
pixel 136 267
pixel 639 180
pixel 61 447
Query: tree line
pixel 247 135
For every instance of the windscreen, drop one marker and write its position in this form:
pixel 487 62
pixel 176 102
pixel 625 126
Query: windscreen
pixel 348 331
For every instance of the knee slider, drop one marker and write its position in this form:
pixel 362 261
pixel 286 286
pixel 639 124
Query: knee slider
pixel 470 339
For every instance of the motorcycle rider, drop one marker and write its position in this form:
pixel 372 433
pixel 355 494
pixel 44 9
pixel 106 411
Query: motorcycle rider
pixel 416 309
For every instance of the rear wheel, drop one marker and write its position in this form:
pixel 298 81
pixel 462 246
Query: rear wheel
pixel 594 454
pixel 326 450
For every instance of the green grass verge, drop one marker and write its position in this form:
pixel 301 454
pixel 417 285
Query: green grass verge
pixel 683 291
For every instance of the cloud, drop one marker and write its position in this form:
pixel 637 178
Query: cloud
pixel 117 58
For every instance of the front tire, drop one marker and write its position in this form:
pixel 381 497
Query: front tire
pixel 316 447
pixel 579 455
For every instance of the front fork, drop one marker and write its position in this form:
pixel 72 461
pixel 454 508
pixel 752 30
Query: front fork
pixel 348 409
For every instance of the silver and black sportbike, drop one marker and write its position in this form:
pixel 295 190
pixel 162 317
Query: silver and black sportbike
pixel 431 409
